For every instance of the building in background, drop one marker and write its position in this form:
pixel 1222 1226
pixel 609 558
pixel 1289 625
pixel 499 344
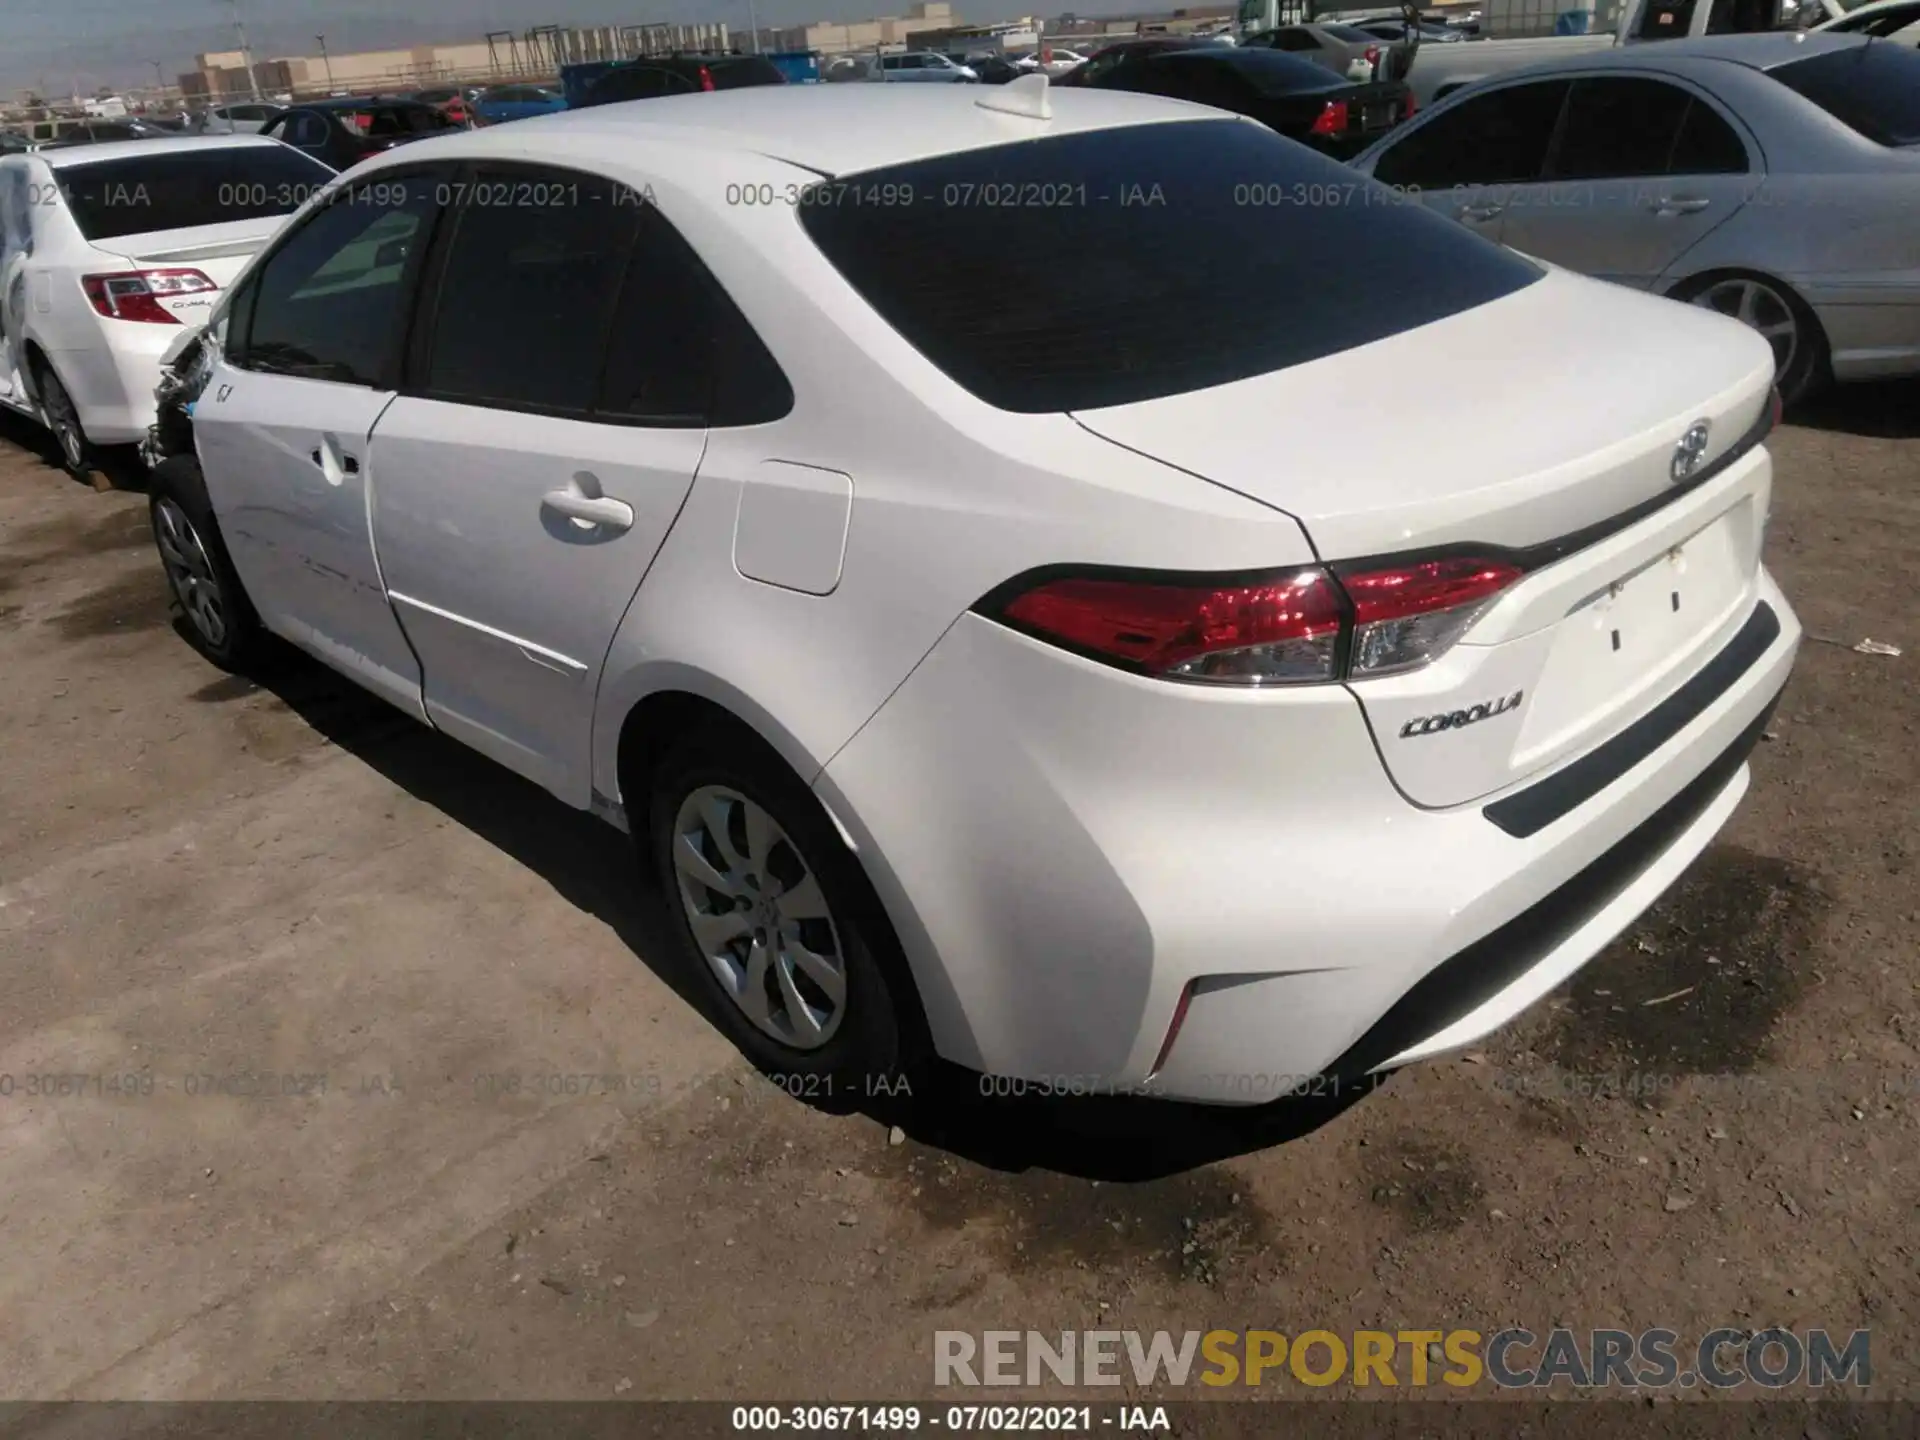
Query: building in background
pixel 1013 37
pixel 538 53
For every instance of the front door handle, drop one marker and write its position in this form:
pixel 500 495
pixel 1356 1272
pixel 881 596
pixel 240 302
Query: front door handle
pixel 1481 212
pixel 583 503
pixel 349 464
pixel 1680 205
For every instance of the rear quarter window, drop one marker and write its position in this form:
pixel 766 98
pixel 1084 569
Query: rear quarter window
pixel 1122 265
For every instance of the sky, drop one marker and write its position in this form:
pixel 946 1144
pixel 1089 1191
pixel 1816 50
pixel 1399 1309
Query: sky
pixel 85 44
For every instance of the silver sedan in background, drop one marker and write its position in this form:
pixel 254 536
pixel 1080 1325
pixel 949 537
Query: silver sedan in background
pixel 1771 177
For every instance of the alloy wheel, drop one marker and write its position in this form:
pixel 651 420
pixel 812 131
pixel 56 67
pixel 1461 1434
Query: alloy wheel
pixel 1760 307
pixel 759 917
pixel 190 572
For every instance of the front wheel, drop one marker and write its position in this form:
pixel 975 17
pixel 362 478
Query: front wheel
pixel 773 914
pixel 217 618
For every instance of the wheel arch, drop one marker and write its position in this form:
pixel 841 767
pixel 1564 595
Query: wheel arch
pixel 684 699
pixel 37 359
pixel 1819 346
pixel 675 698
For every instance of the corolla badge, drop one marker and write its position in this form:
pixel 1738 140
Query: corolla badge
pixel 1458 719
pixel 1690 451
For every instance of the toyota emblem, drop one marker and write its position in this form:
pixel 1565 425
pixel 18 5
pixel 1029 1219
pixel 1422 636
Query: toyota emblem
pixel 1689 452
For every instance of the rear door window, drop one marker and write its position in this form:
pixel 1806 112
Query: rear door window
pixel 1619 127
pixel 527 287
pixel 1173 263
pixel 1872 89
pixel 1498 138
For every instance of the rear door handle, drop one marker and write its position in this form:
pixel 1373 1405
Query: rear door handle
pixel 1680 205
pixel 1481 212
pixel 583 503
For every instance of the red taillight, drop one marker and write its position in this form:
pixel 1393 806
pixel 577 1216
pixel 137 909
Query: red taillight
pixel 136 294
pixel 1408 614
pixel 1777 406
pixel 706 78
pixel 1276 629
pixel 1291 627
pixel 1408 106
pixel 1332 119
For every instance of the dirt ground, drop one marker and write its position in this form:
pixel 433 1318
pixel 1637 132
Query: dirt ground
pixel 209 886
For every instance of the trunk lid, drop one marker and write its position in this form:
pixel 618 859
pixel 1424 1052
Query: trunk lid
pixel 220 252
pixel 1535 422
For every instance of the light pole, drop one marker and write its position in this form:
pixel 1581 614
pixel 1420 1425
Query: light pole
pixel 246 55
pixel 327 60
pixel 753 19
pixel 159 81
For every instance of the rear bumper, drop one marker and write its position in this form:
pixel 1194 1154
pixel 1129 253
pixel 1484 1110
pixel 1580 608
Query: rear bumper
pixel 112 383
pixel 1067 850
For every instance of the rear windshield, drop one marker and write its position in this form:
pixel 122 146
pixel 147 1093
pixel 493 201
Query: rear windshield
pixel 1874 89
pixel 1122 265
pixel 184 188
pixel 1271 72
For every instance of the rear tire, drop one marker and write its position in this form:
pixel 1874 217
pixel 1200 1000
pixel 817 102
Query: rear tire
pixel 216 617
pixel 69 436
pixel 774 917
pixel 1782 318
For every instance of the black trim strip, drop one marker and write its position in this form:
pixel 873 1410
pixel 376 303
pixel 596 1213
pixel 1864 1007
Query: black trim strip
pixel 1538 806
pixel 1463 982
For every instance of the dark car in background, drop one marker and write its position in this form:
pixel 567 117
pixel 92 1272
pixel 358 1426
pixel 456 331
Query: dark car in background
pixel 651 78
pixel 1301 100
pixel 994 69
pixel 342 133
pixel 1346 51
pixel 1110 57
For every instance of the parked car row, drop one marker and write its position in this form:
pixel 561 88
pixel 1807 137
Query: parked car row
pixel 1528 631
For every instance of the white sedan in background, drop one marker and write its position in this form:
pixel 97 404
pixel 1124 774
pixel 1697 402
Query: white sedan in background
pixel 107 250
pixel 1051 685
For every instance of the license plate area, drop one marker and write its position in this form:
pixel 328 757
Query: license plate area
pixel 1375 117
pixel 1628 640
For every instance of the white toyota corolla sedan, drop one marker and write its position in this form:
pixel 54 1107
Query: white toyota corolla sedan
pixel 931 521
